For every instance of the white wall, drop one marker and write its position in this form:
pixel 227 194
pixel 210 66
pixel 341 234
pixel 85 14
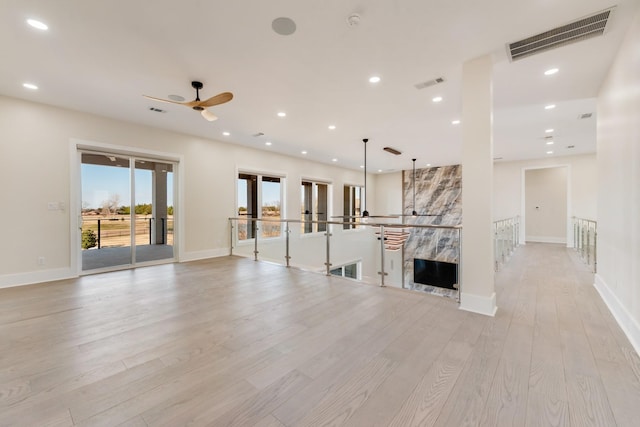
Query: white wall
pixel 546 205
pixel 388 194
pixel 37 169
pixel 508 186
pixel 618 278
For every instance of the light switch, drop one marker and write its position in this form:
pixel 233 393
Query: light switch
pixel 52 206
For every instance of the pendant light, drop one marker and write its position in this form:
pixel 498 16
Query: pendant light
pixel 414 213
pixel 365 212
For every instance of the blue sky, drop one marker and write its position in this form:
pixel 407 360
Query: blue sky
pixel 100 183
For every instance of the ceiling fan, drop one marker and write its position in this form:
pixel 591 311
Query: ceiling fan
pixel 199 105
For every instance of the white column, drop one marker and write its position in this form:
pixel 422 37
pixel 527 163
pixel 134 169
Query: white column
pixel 477 293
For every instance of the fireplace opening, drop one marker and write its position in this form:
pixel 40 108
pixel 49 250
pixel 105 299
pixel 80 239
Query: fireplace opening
pixel 435 273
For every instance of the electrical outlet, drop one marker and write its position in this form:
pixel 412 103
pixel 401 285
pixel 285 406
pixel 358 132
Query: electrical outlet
pixel 40 260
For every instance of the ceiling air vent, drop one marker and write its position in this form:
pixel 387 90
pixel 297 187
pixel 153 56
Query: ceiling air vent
pixel 256 135
pixel 582 29
pixel 392 151
pixel 585 116
pixel 156 110
pixel 429 83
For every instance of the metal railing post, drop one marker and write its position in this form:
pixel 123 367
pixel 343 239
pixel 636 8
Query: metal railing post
pixel 328 263
pixel 459 269
pixel 382 273
pixel 98 234
pixel 287 231
pixel 402 267
pixel 231 236
pixel 255 241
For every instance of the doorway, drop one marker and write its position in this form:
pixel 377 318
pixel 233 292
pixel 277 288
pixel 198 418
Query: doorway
pixel 127 213
pixel 546 204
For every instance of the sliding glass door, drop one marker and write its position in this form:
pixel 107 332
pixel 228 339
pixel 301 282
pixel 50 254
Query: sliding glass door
pixel 127 211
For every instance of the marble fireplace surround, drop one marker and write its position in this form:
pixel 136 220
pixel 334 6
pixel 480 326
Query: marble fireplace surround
pixel 438 193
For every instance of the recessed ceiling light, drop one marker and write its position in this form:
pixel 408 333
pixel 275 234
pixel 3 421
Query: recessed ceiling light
pixel 334 160
pixel 549 130
pixel 379 170
pixel 374 79
pixel 549 152
pixel 437 99
pixel 455 122
pixel 332 127
pixel 37 24
pixel 267 143
pixel 176 98
pixel 361 166
pixel 551 72
pixel 549 142
pixel 226 133
pixel 282 114
pixel 29 86
pixel 304 151
pixel 428 164
pixel 550 107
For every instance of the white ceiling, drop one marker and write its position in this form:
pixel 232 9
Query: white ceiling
pixel 102 56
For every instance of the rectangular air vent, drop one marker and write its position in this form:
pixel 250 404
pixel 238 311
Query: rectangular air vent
pixel 156 110
pixel 259 134
pixel 429 83
pixel 585 116
pixel 582 29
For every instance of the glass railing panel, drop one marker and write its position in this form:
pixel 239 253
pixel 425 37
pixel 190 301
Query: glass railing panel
pixel 585 237
pixel 505 239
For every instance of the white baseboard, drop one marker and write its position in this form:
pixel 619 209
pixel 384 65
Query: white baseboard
pixel 546 239
pixel 198 255
pixel 32 277
pixel 628 324
pixel 479 304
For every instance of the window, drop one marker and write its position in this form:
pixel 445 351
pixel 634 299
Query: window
pixel 352 197
pixel 259 196
pixel 314 206
pixel 348 270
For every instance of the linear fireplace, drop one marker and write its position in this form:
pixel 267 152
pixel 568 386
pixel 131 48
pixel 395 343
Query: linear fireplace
pixel 435 273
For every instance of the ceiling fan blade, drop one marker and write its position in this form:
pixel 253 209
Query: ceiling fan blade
pixel 208 115
pixel 189 104
pixel 221 98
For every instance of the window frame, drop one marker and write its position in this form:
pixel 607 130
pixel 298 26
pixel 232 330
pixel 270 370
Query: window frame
pixel 342 267
pixel 259 200
pixel 314 203
pixel 349 206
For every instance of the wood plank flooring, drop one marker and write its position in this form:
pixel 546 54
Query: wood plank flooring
pixel 233 342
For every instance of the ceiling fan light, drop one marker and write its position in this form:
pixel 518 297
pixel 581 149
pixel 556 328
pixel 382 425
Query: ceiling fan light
pixel 208 115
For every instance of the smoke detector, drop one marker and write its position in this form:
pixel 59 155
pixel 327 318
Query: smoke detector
pixel 353 20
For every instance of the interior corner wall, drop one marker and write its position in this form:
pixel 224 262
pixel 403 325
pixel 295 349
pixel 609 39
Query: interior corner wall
pixel 37 168
pixel 618 133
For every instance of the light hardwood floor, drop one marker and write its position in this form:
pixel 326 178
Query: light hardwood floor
pixel 231 341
